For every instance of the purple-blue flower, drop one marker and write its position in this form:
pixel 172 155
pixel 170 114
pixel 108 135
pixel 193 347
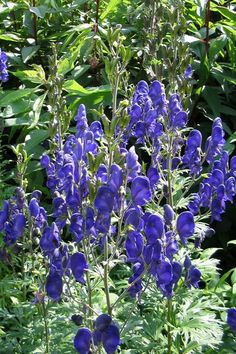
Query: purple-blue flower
pixel 78 266
pixel 104 200
pixel 188 72
pixel 3 66
pixel 141 191
pixel 231 318
pixel 154 228
pixel 185 225
pixel 82 341
pixel 107 333
pixel 54 285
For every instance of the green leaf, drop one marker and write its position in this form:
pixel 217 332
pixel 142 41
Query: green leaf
pixel 39 11
pixel 14 122
pixel 222 75
pixel 227 13
pixel 65 65
pixel 204 70
pixel 232 139
pixel 30 75
pixel 34 138
pixel 232 242
pixel 14 96
pixel 28 52
pixel 15 108
pixel 212 97
pixel 109 8
pixel 233 277
pixel 189 349
pixel 190 39
pixel 80 70
pixel 67 62
pixel 223 279
pixel 216 45
pixel 10 37
pixel 37 106
pixel 73 86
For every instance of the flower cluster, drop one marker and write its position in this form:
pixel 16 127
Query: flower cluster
pixel 3 66
pixel 12 218
pixel 152 246
pixel 105 332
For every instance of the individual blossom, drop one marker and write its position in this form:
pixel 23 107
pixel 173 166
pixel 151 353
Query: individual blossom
pixel 185 226
pixel 81 122
pixel 169 214
pixel 134 246
pixel 231 318
pixel 215 142
pixel 135 280
pixel 178 118
pixel 158 97
pixel 192 274
pixel 133 217
pixel 153 176
pixel 50 239
pixel 133 167
pixel 82 341
pixel 78 266
pixel 141 191
pixel 97 130
pixel 14 229
pixel 4 76
pixel 77 319
pixel 154 228
pixel 104 200
pixel 54 285
pixel 4 214
pixel 192 156
pixel 188 72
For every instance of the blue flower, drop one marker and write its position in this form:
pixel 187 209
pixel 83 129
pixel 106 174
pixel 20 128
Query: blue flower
pixel 134 246
pixel 81 122
pixel 141 191
pixel 50 239
pixel 3 66
pixel 97 130
pixel 34 207
pixel 54 285
pixel 231 318
pixel 188 72
pixel 132 164
pixel 154 228
pixel 106 332
pixel 78 266
pixel 169 214
pixel 104 200
pixel 185 225
pixel 111 339
pixel 4 214
pixel 116 178
pixel 82 341
pixel 14 229
pixel 193 275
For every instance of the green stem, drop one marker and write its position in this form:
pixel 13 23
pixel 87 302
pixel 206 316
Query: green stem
pixel 169 336
pixel 106 273
pixel 88 284
pixel 170 201
pixel 46 327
